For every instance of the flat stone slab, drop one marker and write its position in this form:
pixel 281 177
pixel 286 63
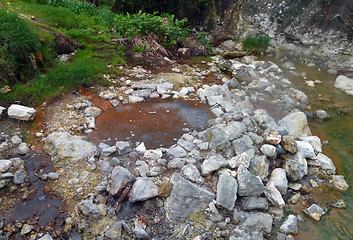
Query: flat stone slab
pixel 227 191
pixel 185 198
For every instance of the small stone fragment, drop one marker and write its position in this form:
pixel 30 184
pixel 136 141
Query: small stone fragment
pixel 289 144
pixel 290 225
pixel 272 136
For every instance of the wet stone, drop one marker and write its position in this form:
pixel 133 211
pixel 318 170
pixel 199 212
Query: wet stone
pixel 120 177
pixel 289 226
pixel 139 230
pixel 322 114
pixel 315 212
pixel 19 177
pixel 289 144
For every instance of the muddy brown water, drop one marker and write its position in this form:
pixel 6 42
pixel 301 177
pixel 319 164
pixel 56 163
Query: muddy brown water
pixel 156 122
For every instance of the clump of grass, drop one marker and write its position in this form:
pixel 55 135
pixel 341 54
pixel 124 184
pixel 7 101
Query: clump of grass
pixel 256 44
pixel 17 42
pixel 61 79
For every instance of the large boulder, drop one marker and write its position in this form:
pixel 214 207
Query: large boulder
pixel 227 191
pixel 64 147
pixel 20 112
pixel 185 198
pixel 296 124
pixel 345 84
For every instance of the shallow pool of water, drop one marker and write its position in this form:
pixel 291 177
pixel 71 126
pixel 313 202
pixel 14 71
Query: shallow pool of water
pixel 155 122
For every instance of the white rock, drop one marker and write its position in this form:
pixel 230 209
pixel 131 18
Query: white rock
pixel 1 110
pixel 314 141
pixel 268 150
pixel 345 84
pixel 273 195
pixel 23 149
pixel 141 149
pixel 306 149
pixel 20 112
pixel 135 99
pixel 5 165
pixel 296 124
pixel 279 179
pixel 326 163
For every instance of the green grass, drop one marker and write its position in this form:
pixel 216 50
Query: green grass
pixel 256 44
pixel 61 79
pixel 17 42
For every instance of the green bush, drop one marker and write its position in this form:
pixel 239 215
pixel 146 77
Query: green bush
pixel 256 44
pixel 165 26
pixel 17 42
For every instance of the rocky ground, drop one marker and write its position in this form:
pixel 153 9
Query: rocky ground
pixel 228 181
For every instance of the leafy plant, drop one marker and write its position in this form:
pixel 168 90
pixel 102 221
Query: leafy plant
pixel 256 44
pixel 201 38
pixel 165 26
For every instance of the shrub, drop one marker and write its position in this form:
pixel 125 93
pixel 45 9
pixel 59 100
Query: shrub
pixel 165 26
pixel 256 44
pixel 17 42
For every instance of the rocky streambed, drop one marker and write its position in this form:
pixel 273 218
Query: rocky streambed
pixel 232 179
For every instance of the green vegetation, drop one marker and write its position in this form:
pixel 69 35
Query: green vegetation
pixel 201 38
pixel 256 44
pixel 18 47
pixel 28 36
pixel 165 26
pixel 57 81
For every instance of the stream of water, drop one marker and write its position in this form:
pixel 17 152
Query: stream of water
pixel 338 130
